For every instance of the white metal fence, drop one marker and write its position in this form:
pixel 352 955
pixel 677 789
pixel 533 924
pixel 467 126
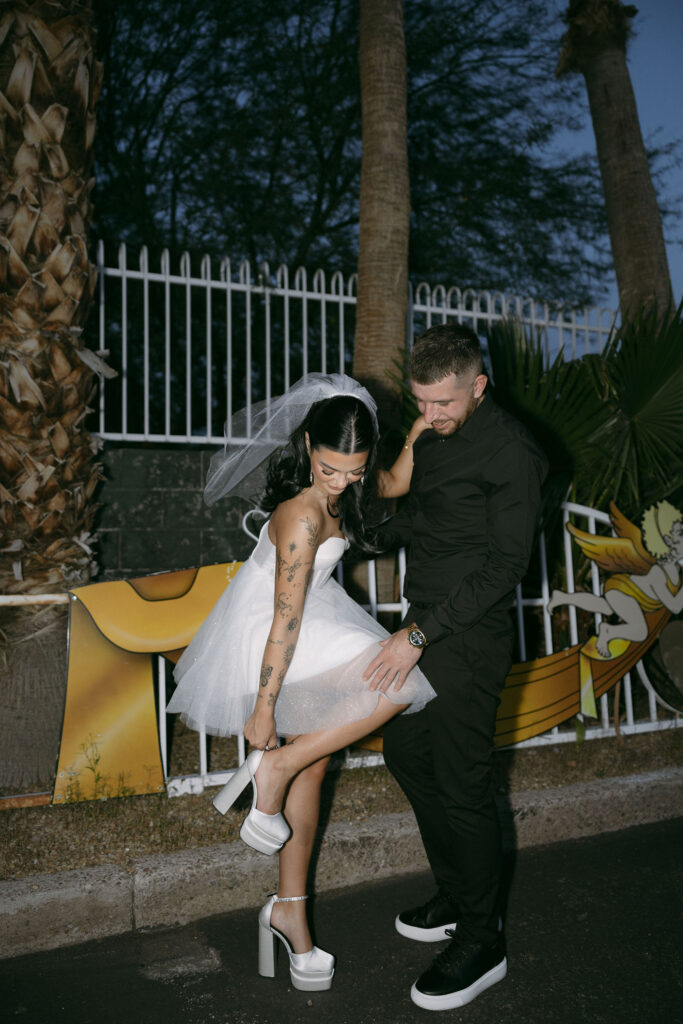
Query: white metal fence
pixel 190 349
pixel 639 708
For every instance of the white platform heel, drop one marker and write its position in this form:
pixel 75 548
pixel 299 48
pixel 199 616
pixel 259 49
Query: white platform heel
pixel 266 833
pixel 310 972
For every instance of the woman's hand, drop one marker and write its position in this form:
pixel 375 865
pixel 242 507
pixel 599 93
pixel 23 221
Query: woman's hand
pixel 395 482
pixel 259 729
pixel 418 426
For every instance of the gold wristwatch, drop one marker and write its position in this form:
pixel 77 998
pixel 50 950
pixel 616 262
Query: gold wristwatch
pixel 415 636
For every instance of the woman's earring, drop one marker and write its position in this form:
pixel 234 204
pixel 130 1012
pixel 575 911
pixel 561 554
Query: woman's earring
pixel 362 479
pixel 310 477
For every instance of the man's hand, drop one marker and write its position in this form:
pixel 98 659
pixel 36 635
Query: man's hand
pixel 393 663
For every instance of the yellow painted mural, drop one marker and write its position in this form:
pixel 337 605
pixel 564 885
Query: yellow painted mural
pixel 110 741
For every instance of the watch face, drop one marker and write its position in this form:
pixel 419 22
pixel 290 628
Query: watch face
pixel 416 638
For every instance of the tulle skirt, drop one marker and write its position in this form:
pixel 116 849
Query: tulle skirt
pixel 218 674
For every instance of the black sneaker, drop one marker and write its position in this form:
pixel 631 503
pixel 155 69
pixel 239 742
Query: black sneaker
pixel 459 974
pixel 429 922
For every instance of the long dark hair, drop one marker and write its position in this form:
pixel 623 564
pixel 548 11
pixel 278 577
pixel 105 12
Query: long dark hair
pixel 344 425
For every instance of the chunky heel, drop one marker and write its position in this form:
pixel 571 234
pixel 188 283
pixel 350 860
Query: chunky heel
pixel 312 971
pixel 232 789
pixel 267 952
pixel 266 833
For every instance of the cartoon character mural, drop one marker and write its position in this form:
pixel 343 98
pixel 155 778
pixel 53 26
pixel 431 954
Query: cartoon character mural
pixel 644 588
pixel 646 578
pixel 646 573
pixel 110 741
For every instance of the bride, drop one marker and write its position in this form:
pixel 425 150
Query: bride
pixel 284 650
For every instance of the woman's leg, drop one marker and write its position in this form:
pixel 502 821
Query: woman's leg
pixel 279 766
pixel 301 809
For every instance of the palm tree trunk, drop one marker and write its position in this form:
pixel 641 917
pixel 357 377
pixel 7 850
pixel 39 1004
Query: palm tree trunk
pixel 595 45
pixel 384 196
pixel 49 83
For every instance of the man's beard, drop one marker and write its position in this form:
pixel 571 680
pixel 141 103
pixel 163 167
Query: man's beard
pixel 452 426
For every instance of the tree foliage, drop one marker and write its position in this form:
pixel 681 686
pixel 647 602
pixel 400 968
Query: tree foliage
pixel 235 129
pixel 491 206
pixel 611 423
pixel 231 128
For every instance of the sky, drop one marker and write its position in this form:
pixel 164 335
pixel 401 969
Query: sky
pixel 655 60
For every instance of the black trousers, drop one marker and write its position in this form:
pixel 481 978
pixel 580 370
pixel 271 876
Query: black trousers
pixel 442 759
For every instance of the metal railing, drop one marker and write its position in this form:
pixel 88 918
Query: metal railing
pixel 190 349
pixel 527 606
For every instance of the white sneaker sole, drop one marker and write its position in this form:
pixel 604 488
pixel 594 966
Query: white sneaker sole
pixel 451 1000
pixel 423 934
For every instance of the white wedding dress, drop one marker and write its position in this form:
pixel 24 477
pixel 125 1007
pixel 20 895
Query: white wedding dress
pixel 218 674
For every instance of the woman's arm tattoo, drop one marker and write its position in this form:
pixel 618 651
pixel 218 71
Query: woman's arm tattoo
pixel 282 604
pixel 289 569
pixel 289 654
pixel 312 529
pixel 292 575
pixel 285 568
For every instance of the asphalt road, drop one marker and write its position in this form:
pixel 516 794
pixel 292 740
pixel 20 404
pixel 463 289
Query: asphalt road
pixel 593 929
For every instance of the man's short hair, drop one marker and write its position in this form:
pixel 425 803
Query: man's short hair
pixel 445 349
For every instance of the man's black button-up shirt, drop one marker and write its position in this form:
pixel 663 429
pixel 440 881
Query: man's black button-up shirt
pixel 469 521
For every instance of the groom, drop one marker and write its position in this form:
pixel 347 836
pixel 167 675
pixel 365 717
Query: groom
pixel 468 525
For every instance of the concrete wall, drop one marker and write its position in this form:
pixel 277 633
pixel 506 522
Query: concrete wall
pixel 153 517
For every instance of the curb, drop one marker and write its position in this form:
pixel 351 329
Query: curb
pixel 44 912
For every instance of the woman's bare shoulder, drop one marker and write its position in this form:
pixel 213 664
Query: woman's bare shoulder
pixel 298 521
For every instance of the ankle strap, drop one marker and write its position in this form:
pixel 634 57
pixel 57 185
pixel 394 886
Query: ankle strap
pixel 289 899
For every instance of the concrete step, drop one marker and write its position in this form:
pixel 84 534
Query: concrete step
pixel 46 911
